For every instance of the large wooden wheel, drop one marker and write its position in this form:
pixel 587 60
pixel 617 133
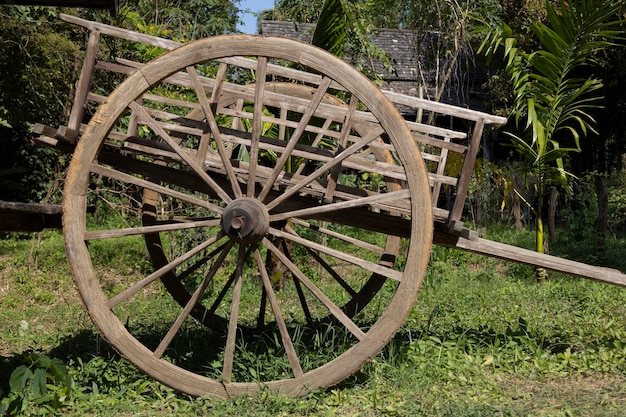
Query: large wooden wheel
pixel 270 235
pixel 174 280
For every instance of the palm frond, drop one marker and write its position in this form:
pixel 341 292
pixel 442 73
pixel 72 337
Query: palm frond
pixel 332 27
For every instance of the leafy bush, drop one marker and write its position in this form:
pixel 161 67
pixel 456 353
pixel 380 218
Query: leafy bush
pixel 41 381
pixel 581 214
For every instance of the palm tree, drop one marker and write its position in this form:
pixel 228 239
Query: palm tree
pixel 554 101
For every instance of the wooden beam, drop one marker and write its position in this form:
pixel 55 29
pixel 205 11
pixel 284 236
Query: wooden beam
pixel 29 217
pixel 529 257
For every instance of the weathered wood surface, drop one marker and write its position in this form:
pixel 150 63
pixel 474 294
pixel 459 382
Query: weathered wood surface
pixel 96 146
pixel 29 217
pixel 435 141
pixel 529 257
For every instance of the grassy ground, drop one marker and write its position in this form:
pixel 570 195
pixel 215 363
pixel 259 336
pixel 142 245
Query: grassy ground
pixel 483 339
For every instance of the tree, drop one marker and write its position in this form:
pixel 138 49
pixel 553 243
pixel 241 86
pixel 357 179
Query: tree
pixel 443 29
pixel 548 91
pixel 40 60
pixel 191 19
pixel 37 63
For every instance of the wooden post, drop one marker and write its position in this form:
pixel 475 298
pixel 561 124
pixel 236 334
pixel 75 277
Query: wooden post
pixel 82 88
pixel 454 218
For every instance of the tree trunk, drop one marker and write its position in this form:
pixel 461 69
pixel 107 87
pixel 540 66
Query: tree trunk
pixel 517 212
pixel 552 206
pixel 540 273
pixel 603 212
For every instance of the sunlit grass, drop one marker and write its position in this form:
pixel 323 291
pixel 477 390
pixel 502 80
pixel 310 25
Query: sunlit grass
pixel 482 339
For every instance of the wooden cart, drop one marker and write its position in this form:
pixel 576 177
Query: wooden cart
pixel 288 220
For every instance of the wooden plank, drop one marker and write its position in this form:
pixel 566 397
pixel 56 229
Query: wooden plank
pixel 120 33
pixel 439 143
pixel 529 257
pixel 32 208
pixel 326 110
pixel 422 128
pixel 446 109
pixel 292 73
pixel 441 166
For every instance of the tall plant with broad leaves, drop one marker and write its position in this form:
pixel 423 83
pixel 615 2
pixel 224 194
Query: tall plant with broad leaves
pixel 332 28
pixel 552 101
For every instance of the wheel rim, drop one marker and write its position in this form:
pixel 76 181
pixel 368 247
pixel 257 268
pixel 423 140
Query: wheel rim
pixel 288 207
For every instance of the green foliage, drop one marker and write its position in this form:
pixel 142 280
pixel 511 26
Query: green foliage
pixel 548 91
pixel 617 207
pixel 331 28
pixel 40 382
pixel 581 214
pixel 180 20
pixel 37 64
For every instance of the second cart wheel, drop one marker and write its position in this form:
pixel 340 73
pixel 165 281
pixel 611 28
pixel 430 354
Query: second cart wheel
pixel 240 207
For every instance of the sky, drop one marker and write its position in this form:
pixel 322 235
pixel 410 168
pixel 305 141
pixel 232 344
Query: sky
pixel 249 20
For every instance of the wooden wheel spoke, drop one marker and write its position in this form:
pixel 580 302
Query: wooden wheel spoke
pixel 370 266
pixel 188 163
pixel 295 137
pixel 167 339
pixel 208 107
pixel 319 294
pixel 139 285
pixel 301 297
pixel 260 320
pixel 220 297
pixel 196 265
pixel 132 231
pixel 357 202
pixel 326 266
pixel 229 350
pixel 198 167
pixel 315 144
pixel 282 327
pixel 257 123
pixel 343 141
pixel 303 302
pixel 332 272
pixel 117 175
pixel 361 244
pixel 349 151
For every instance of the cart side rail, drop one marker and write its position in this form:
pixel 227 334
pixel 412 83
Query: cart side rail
pixel 449 144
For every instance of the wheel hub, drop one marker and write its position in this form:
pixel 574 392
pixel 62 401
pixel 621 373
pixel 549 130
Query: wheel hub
pixel 246 220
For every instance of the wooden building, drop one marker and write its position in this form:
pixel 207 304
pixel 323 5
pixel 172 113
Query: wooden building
pixel 415 64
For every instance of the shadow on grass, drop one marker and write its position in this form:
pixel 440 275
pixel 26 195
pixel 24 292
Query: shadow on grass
pixel 259 356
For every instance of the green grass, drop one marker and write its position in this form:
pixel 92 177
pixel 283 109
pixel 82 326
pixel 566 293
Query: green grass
pixel 483 339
